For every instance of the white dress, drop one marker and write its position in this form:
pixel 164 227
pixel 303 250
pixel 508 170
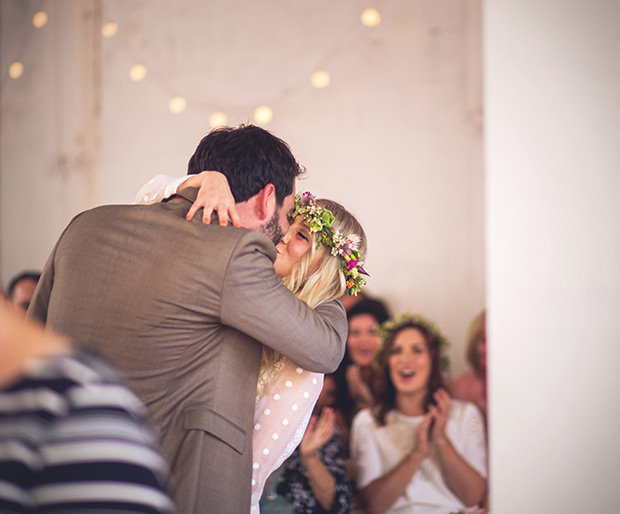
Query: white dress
pixel 376 449
pixel 280 420
pixel 283 411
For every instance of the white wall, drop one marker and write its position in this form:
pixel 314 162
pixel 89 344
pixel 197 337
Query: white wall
pixel 552 103
pixel 396 136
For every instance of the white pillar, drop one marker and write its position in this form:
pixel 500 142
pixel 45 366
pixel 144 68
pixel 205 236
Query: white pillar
pixel 552 103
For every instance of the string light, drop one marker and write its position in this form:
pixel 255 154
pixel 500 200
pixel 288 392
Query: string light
pixel 16 69
pixel 320 79
pixel 218 119
pixel 371 17
pixel 263 115
pixel 39 19
pixel 177 104
pixel 109 29
pixel 137 72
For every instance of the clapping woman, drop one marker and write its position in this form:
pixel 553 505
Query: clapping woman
pixel 417 451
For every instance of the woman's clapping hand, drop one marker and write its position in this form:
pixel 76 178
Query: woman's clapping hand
pixel 318 432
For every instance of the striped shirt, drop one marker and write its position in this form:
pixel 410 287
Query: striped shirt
pixel 73 439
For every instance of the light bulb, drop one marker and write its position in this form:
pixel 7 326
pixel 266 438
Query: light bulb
pixel 109 29
pixel 39 19
pixel 137 72
pixel 16 69
pixel 263 115
pixel 371 17
pixel 177 104
pixel 218 119
pixel 320 79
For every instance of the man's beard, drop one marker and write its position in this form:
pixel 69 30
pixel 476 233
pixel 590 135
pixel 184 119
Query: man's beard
pixel 272 229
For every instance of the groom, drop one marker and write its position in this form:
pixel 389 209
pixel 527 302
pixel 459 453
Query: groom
pixel 181 308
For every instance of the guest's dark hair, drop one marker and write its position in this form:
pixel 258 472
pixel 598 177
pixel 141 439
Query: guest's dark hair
pixel 375 308
pixel 384 387
pixel 250 157
pixel 34 276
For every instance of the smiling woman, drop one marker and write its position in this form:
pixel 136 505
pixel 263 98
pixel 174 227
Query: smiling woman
pixel 418 448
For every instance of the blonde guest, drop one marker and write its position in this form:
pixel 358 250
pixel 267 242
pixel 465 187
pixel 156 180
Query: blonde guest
pixel 471 386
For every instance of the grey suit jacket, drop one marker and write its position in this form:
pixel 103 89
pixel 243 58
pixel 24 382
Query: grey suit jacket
pixel 180 307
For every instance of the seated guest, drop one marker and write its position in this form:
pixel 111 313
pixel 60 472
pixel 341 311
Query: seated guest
pixel 471 386
pixel 314 479
pixel 356 373
pixel 72 437
pixel 418 451
pixel 21 289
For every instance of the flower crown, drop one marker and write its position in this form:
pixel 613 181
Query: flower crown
pixel 320 220
pixel 405 318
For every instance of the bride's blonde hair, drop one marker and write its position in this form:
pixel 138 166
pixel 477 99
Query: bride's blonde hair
pixel 323 285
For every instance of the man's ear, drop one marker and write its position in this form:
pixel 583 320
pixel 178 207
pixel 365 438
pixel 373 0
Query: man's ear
pixel 265 203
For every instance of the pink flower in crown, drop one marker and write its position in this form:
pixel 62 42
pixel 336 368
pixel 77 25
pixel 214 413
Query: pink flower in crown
pixel 306 198
pixel 352 263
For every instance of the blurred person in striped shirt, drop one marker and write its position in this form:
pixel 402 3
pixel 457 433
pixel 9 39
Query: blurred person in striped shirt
pixel 73 438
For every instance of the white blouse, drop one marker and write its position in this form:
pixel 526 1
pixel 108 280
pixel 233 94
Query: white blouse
pixel 376 449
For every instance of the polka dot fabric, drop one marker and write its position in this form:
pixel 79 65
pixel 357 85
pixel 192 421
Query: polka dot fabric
pixel 280 420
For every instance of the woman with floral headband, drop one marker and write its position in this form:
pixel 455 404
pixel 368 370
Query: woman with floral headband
pixel 417 451
pixel 320 259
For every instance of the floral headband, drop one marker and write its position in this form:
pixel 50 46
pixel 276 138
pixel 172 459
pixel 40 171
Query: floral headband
pixel 320 220
pixel 406 318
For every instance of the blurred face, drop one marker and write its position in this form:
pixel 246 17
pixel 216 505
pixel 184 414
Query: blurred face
pixel 292 247
pixel 363 339
pixel 22 295
pixel 410 363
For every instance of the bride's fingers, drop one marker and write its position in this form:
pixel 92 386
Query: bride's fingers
pixel 206 214
pixel 222 213
pixel 234 216
pixel 192 211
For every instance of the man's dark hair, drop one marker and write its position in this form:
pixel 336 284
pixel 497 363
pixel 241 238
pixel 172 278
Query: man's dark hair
pixel 24 275
pixel 250 157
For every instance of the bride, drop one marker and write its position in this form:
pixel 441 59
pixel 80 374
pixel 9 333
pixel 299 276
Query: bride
pixel 320 259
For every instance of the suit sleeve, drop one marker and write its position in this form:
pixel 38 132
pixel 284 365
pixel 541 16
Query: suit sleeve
pixel 41 298
pixel 39 304
pixel 256 302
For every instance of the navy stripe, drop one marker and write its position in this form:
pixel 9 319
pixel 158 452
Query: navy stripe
pixel 96 508
pixel 99 471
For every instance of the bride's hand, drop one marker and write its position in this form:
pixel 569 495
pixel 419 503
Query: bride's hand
pixel 213 195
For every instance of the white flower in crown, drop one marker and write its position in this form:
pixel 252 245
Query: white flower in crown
pixel 345 244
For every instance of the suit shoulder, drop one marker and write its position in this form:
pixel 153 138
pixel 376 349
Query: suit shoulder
pixel 239 241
